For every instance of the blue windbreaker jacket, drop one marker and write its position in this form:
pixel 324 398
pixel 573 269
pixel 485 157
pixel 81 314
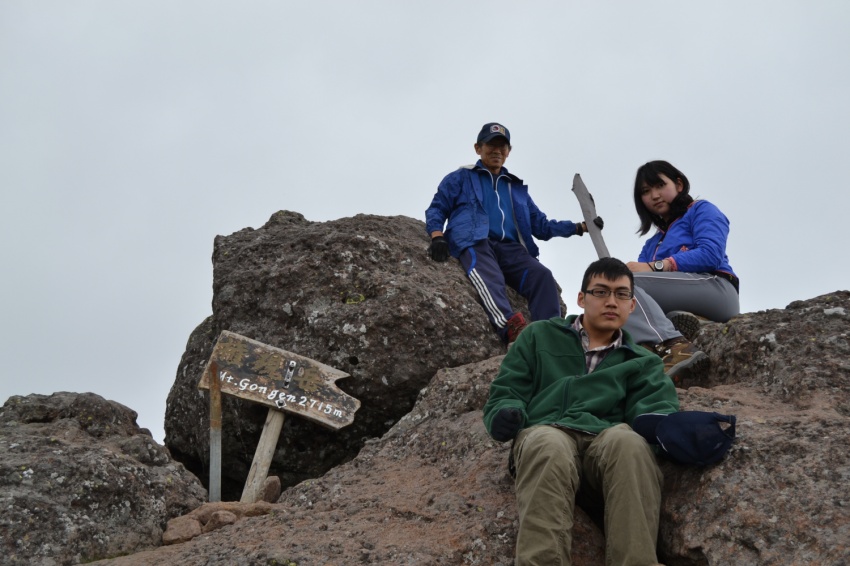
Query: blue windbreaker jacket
pixel 460 200
pixel 696 241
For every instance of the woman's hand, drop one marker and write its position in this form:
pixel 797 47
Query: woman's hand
pixel 636 266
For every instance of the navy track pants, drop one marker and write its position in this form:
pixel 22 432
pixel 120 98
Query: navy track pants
pixel 490 265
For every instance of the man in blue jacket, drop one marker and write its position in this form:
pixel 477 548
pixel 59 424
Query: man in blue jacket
pixel 492 223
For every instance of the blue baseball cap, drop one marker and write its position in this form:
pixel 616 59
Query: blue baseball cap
pixel 493 130
pixel 695 438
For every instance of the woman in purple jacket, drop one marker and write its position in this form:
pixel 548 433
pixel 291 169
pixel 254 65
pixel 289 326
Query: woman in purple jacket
pixel 682 273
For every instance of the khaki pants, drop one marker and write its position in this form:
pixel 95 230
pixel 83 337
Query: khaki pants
pixel 617 464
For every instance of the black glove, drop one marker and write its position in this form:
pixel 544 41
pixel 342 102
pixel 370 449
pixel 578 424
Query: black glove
pixel 581 227
pixel 439 249
pixel 506 423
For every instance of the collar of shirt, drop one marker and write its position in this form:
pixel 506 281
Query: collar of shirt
pixel 596 355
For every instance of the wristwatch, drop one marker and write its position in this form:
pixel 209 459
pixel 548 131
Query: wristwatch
pixel 658 265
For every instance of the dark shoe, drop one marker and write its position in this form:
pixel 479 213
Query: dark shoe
pixel 514 326
pixel 681 359
pixel 686 323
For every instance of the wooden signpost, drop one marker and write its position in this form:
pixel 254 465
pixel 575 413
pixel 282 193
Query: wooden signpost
pixel 286 382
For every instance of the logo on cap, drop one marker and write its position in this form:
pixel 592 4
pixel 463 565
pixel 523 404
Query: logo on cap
pixel 497 129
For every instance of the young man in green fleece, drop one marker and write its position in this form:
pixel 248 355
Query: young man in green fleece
pixel 567 393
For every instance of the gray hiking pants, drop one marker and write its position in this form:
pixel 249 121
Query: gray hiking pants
pixel 657 293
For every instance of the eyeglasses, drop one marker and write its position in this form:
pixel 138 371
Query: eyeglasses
pixel 602 293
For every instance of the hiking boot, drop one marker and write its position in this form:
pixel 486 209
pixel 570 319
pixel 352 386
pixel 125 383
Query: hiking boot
pixel 686 323
pixel 514 326
pixel 681 359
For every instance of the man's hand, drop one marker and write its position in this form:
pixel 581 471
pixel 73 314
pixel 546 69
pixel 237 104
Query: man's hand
pixel 506 424
pixel 581 227
pixel 439 249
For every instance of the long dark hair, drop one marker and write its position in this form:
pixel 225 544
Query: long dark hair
pixel 647 174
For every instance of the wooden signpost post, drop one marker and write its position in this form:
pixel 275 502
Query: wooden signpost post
pixel 286 382
pixel 215 435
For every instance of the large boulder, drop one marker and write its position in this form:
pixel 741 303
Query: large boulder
pixel 79 481
pixel 435 489
pixel 358 294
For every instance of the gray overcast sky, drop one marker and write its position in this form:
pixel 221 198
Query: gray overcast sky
pixel 131 133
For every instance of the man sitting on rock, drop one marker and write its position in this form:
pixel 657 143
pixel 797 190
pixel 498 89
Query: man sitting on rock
pixel 566 394
pixel 491 225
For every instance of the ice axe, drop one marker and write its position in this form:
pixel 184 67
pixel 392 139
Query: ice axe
pixel 588 210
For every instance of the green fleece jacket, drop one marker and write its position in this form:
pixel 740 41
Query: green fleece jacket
pixel 544 375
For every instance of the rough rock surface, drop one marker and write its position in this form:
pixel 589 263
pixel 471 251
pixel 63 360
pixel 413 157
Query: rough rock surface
pixel 210 517
pixel 358 294
pixel 781 496
pixel 434 489
pixel 79 481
